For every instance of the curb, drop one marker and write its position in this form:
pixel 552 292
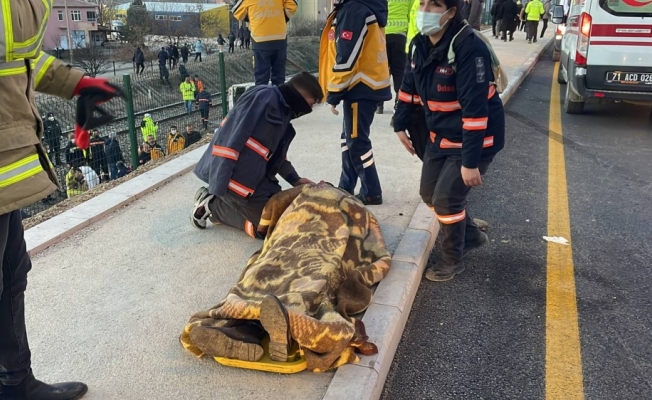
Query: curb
pixel 54 230
pixel 391 304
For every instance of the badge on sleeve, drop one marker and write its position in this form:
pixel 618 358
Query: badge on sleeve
pixel 346 35
pixel 479 70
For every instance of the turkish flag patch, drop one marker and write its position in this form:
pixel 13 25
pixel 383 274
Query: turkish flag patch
pixel 346 35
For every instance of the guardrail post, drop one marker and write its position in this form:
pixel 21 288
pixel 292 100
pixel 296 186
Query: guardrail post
pixel 131 119
pixel 223 89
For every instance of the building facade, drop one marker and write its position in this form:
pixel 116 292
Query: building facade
pixel 78 28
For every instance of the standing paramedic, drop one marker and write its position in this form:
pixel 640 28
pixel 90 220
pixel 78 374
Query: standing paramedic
pixel 248 151
pixel 268 23
pixel 26 176
pixel 353 69
pixel 465 120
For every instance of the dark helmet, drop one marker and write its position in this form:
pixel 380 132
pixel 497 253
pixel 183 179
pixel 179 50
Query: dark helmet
pixel 50 114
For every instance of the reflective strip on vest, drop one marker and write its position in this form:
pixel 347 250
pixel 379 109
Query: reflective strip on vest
pixel 20 170
pixel 13 68
pixel 19 50
pixel 40 66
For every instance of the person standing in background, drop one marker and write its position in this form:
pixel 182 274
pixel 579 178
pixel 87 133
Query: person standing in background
pixel 353 45
pixel 546 17
pixel 231 42
pixel 533 11
pixel 199 47
pixel 185 52
pixel 187 89
pixel 247 38
pixel 268 24
pixel 398 20
pixel 113 155
pixel 53 137
pixel 139 60
pixel 508 13
pixel 475 15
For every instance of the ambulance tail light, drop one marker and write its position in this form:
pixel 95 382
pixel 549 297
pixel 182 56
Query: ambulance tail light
pixel 583 39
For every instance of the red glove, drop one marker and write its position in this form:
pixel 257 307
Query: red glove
pixel 92 92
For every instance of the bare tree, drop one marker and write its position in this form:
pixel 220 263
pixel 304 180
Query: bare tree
pixel 214 22
pixel 138 22
pixel 106 11
pixel 92 59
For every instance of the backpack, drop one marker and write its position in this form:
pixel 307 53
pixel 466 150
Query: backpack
pixel 500 77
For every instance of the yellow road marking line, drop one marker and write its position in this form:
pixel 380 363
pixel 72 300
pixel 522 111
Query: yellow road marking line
pixel 563 359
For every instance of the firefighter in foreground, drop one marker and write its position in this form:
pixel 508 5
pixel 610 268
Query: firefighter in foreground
pixel 248 151
pixel 27 176
pixel 353 69
pixel 465 120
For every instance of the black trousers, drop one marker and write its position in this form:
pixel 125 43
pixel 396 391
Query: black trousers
pixel 229 210
pixel 231 47
pixel 532 27
pixel 545 25
pixel 55 149
pixel 15 357
pixel 444 191
pixel 198 55
pixel 204 117
pixel 140 67
pixel 270 64
pixel 396 57
pixel 357 155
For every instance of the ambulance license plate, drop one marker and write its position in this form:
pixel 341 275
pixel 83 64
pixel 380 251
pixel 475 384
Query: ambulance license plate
pixel 629 78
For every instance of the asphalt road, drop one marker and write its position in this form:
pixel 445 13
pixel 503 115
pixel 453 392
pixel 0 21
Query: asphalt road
pixel 483 335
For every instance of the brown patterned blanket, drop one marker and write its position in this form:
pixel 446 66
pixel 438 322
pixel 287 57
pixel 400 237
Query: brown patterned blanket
pixel 322 253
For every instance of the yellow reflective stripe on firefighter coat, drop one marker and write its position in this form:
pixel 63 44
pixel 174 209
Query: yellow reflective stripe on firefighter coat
pixel 26 174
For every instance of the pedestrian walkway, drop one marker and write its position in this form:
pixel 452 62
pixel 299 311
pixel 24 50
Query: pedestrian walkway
pixel 106 305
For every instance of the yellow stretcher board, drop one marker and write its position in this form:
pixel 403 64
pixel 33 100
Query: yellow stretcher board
pixel 296 361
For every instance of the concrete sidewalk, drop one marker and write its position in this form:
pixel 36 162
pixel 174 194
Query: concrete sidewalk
pixel 106 304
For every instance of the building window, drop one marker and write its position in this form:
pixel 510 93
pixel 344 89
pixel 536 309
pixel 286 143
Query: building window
pixel 160 17
pixel 90 16
pixel 60 15
pixel 75 15
pixel 175 18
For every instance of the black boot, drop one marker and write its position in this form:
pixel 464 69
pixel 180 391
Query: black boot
pixel 380 108
pixel 32 389
pixel 370 200
pixel 242 342
pixel 275 320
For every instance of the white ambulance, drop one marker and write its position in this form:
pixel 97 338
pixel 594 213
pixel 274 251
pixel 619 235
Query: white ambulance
pixel 606 51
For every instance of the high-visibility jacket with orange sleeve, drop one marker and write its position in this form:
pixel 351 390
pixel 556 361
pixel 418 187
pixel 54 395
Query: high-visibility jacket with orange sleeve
pixel 26 175
pixel 353 54
pixel 464 113
pixel 249 148
pixel 267 21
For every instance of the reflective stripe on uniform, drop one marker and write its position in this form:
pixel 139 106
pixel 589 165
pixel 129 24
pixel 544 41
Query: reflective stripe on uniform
pixel 249 229
pixel 408 98
pixel 20 50
pixel 451 219
pixel 258 148
pixel 20 170
pixel 13 68
pixel 447 144
pixel 492 91
pixel 357 48
pixel 374 84
pixel 475 124
pixel 225 152
pixel 240 189
pixel 433 136
pixel 444 106
pixel 40 66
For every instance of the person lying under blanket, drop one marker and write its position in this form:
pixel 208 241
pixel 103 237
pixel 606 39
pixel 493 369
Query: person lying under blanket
pixel 323 251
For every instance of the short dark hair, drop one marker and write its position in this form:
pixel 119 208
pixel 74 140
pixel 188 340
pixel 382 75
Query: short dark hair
pixel 308 83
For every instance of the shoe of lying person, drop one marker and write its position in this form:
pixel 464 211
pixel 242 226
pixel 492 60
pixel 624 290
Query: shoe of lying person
pixel 275 321
pixel 242 342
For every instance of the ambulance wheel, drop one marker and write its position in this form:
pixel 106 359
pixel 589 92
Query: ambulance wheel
pixel 573 104
pixel 560 75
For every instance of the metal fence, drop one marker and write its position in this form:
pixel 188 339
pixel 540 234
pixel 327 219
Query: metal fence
pixel 147 93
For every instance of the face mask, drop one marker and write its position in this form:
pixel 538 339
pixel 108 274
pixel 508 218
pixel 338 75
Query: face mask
pixel 50 118
pixel 428 23
pixel 173 131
